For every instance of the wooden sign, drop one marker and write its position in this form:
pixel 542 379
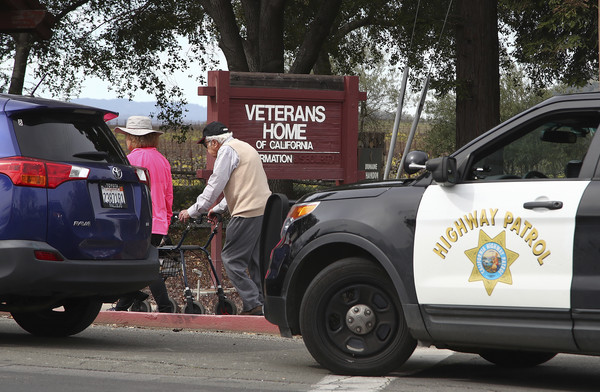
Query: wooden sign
pixel 303 126
pixel 18 16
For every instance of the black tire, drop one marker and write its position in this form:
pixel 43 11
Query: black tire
pixel 141 306
pixel 75 315
pixel 195 308
pixel 174 306
pixel 516 359
pixel 335 295
pixel 227 307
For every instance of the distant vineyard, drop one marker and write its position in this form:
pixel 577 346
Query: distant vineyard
pixel 185 158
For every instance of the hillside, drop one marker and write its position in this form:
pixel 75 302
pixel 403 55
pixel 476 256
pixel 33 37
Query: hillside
pixel 195 113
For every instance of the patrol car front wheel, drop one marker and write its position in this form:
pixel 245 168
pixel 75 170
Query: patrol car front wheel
pixel 351 320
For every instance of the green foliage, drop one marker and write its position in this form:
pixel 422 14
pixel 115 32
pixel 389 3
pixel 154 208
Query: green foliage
pixel 518 93
pixel 367 32
pixel 137 44
pixel 556 40
pixel 441 138
pixel 134 44
pixel 185 196
pixel 382 94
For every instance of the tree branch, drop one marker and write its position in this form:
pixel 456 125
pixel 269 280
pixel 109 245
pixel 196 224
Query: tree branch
pixel 357 24
pixel 69 8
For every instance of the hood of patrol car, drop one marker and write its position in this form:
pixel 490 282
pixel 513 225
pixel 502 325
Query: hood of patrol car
pixel 358 190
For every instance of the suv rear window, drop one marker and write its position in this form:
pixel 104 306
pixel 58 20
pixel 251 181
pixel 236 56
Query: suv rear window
pixel 66 136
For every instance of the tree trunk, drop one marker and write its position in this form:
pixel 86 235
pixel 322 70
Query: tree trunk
pixel 23 47
pixel 271 36
pixel 317 34
pixel 323 65
pixel 251 44
pixel 477 69
pixel 230 42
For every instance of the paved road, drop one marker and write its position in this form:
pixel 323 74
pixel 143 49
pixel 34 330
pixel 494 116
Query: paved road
pixel 105 358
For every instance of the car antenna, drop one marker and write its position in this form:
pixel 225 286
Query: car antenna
pixel 38 85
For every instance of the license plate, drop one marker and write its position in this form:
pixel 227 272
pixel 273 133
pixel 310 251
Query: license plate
pixel 113 196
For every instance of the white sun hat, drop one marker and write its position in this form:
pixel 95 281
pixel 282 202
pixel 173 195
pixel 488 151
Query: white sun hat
pixel 137 126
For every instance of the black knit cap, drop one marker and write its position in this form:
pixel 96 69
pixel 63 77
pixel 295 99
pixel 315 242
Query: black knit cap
pixel 213 129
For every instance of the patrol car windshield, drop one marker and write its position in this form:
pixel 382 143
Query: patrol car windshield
pixel 550 148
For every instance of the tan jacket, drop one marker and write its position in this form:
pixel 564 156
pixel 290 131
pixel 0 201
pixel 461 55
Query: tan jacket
pixel 247 190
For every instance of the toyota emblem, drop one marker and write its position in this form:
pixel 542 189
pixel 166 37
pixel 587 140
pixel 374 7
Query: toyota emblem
pixel 117 173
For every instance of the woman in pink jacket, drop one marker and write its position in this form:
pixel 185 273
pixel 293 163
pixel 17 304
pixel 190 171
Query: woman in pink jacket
pixel 142 141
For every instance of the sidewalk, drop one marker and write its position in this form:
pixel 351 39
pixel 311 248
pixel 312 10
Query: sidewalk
pixel 209 322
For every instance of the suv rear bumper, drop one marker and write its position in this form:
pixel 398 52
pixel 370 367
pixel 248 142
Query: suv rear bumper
pixel 22 275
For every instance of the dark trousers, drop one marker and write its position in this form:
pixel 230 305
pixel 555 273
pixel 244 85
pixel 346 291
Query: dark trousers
pixel 157 288
pixel 240 259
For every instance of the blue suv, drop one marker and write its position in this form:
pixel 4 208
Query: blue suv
pixel 75 216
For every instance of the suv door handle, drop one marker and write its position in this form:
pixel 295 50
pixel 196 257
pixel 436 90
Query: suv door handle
pixel 549 204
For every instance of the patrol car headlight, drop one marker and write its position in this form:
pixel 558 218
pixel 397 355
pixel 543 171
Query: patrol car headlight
pixel 298 211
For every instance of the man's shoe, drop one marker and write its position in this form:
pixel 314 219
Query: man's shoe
pixel 256 311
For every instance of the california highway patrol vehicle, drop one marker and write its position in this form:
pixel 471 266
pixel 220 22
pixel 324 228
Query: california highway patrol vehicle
pixel 494 250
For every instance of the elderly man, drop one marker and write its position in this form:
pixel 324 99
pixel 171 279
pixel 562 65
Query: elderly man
pixel 239 174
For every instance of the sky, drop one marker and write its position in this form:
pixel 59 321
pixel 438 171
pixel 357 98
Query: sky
pixel 98 89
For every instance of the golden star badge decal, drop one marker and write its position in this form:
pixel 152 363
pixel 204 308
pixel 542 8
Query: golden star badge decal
pixel 491 261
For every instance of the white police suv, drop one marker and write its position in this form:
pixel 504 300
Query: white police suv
pixel 494 250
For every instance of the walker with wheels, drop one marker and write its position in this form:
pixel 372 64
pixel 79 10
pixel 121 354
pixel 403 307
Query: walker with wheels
pixel 172 259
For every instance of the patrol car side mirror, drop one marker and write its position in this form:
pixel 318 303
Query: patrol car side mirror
pixel 415 161
pixel 443 170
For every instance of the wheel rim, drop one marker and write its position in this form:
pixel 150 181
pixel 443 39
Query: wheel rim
pixel 360 319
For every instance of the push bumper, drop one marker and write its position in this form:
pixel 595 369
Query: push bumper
pixel 275 313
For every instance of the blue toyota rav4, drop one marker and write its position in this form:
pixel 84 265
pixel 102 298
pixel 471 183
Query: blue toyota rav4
pixel 493 250
pixel 75 216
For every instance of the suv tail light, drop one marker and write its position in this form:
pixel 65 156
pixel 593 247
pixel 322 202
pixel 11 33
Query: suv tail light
pixel 39 173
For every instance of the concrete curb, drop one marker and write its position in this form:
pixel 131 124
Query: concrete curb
pixel 251 324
